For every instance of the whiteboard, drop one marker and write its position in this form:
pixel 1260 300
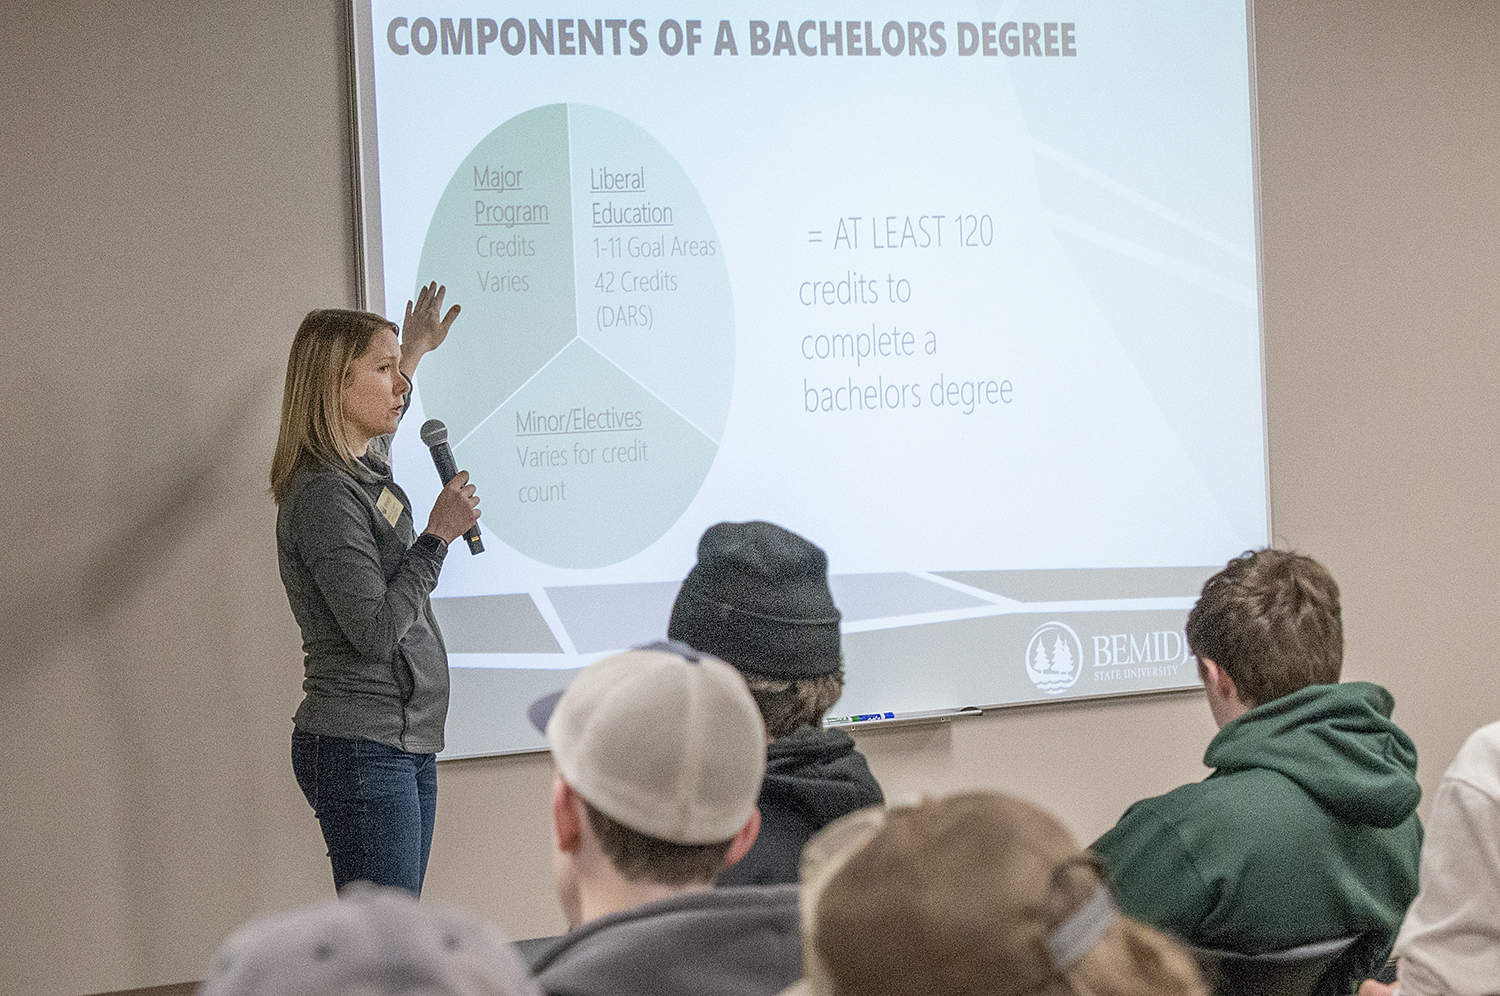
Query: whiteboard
pixel 967 294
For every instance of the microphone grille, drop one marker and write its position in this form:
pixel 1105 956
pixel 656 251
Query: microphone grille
pixel 434 432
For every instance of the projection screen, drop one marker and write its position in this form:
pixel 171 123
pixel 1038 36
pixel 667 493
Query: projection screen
pixel 966 293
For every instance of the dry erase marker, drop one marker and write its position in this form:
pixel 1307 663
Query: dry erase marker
pixel 865 718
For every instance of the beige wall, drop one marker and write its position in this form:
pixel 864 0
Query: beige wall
pixel 174 198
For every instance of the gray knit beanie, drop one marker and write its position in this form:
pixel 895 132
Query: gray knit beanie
pixel 759 598
pixel 371 941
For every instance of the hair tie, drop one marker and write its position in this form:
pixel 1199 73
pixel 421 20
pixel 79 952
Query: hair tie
pixel 1077 935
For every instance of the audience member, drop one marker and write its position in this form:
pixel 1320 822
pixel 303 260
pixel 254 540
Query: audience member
pixel 659 756
pixel 374 941
pixel 1307 828
pixel 759 598
pixel 1449 944
pixel 973 894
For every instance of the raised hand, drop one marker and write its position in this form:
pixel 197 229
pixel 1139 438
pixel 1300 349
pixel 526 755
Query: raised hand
pixel 422 330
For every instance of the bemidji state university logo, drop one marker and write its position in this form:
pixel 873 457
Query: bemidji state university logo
pixel 1054 657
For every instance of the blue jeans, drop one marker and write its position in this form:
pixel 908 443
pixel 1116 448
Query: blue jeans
pixel 375 804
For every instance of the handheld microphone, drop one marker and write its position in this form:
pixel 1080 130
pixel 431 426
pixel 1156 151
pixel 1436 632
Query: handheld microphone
pixel 435 435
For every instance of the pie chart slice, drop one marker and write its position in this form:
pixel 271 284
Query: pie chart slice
pixel 501 239
pixel 588 466
pixel 588 381
pixel 652 283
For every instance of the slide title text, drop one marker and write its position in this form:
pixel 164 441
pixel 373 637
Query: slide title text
pixel 634 36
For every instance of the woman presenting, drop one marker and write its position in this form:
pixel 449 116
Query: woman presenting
pixel 358 577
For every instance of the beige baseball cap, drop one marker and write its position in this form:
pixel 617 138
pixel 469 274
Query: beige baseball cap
pixel 946 895
pixel 662 739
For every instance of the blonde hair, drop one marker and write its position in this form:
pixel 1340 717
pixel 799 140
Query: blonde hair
pixel 327 343
pixel 959 896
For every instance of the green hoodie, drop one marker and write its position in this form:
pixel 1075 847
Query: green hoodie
pixel 1307 830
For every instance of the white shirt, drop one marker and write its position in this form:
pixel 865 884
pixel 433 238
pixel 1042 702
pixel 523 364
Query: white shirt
pixel 1449 943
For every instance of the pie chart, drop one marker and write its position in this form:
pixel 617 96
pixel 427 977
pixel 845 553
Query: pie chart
pixel 586 385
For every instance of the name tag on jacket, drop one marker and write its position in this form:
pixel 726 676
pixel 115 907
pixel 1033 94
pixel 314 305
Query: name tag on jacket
pixel 389 505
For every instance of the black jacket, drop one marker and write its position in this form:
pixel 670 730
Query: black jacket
pixel 813 776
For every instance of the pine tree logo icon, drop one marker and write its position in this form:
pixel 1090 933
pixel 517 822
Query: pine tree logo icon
pixel 1053 656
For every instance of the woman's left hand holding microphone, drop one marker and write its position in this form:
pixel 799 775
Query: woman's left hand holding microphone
pixel 456 509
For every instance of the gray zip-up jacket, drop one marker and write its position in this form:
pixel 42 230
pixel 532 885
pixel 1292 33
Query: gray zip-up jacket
pixel 375 668
pixel 723 942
